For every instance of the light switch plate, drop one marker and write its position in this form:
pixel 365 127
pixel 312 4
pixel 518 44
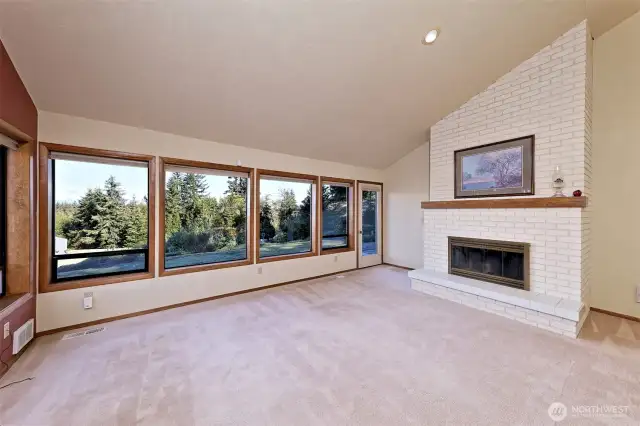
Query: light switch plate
pixel 5 334
pixel 87 302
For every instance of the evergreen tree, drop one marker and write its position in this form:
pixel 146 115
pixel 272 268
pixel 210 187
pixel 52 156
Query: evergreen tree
pixel 81 230
pixel 173 205
pixel 267 230
pixel 287 207
pixel 237 186
pixel 64 214
pixel 303 225
pixel 193 191
pixel 135 229
pixel 110 220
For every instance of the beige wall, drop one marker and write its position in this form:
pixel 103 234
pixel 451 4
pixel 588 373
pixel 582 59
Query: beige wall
pixel 616 150
pixel 64 308
pixel 406 184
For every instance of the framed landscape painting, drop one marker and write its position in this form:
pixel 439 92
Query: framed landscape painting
pixel 499 169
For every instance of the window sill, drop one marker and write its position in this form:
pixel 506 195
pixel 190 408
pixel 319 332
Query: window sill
pixel 285 257
pixel 336 250
pixel 201 268
pixel 98 281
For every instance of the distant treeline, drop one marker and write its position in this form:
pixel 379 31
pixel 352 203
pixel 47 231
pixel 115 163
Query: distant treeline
pixel 103 219
pixel 194 221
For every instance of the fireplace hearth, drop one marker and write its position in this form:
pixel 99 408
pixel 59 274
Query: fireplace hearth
pixel 500 262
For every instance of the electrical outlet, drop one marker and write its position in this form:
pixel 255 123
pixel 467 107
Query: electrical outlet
pixel 6 330
pixel 259 270
pixel 335 258
pixel 87 302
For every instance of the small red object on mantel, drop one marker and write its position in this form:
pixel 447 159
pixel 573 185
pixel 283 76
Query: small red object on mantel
pixel 577 193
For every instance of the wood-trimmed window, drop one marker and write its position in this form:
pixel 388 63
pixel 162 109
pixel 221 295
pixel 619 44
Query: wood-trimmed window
pixel 336 213
pixel 206 211
pixel 97 217
pixel 286 225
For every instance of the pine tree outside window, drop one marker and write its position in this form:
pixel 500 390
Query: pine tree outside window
pixel 206 220
pixel 100 209
pixel 287 224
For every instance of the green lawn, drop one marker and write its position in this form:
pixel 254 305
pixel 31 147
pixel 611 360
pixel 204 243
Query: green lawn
pixel 72 268
pixel 237 253
pixel 279 249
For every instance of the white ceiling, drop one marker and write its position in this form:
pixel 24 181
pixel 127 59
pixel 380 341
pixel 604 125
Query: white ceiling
pixel 340 80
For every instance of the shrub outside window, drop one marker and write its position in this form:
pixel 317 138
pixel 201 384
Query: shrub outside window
pixel 206 219
pixel 287 215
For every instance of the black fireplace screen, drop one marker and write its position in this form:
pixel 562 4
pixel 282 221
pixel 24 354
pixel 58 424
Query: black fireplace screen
pixel 500 262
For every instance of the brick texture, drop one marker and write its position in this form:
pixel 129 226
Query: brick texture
pixel 549 95
pixel 545 96
pixel 527 316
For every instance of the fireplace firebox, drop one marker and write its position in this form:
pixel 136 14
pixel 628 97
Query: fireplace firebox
pixel 499 262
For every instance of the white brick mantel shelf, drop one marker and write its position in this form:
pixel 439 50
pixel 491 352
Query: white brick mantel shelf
pixel 509 203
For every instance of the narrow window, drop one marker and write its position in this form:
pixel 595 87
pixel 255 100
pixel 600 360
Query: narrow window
pixel 336 226
pixel 287 215
pixel 206 214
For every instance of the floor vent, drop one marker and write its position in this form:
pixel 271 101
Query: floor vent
pixel 22 336
pixel 83 333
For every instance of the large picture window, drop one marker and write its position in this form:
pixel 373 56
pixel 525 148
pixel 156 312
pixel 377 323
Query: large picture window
pixel 287 215
pixel 337 215
pixel 206 215
pixel 100 215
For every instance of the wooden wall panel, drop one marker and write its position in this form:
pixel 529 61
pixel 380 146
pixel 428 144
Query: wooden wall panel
pixel 17 110
pixel 19 219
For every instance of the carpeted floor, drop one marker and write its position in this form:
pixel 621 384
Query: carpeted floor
pixel 363 349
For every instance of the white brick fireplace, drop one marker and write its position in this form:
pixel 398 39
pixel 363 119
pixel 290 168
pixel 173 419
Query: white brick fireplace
pixel 548 96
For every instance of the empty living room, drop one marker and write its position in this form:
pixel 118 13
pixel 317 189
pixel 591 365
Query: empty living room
pixel 319 212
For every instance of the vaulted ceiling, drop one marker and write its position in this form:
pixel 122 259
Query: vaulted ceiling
pixel 340 80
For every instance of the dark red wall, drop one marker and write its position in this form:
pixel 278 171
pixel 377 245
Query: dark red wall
pixel 17 111
pixel 16 106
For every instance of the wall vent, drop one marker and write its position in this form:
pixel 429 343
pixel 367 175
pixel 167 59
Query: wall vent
pixel 22 336
pixel 83 333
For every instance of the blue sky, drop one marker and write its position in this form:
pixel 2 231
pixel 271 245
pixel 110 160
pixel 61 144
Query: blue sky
pixel 74 178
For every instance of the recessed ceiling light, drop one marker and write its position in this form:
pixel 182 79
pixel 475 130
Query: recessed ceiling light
pixel 430 37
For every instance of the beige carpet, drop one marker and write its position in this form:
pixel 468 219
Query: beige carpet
pixel 363 350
